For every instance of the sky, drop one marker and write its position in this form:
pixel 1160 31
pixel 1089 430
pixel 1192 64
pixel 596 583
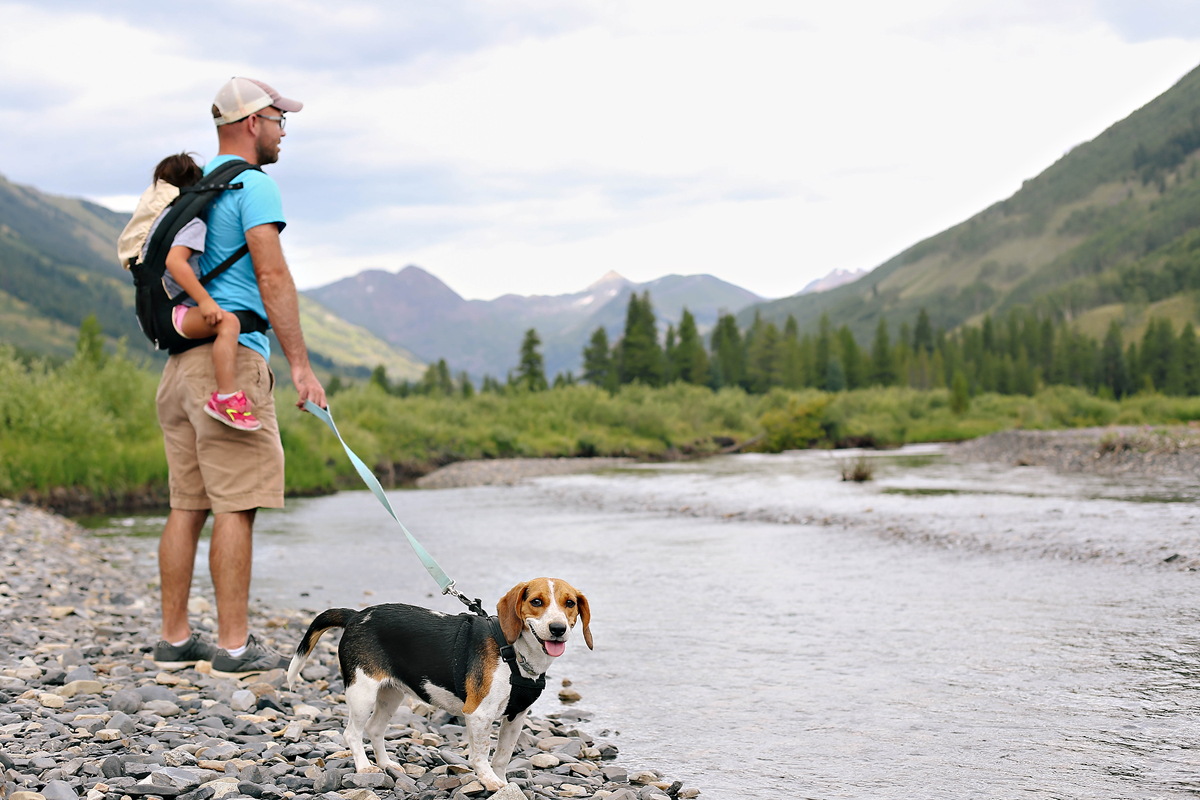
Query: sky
pixel 530 146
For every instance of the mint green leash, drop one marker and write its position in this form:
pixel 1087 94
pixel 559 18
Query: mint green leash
pixel 372 483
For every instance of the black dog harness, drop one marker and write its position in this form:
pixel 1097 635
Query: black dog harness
pixel 524 690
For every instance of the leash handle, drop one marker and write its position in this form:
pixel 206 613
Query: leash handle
pixel 373 484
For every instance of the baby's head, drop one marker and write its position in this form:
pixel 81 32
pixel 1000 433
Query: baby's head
pixel 178 170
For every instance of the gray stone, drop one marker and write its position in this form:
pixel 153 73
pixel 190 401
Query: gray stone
pixel 327 781
pixel 6 762
pixel 162 708
pixel 123 723
pixel 81 673
pixel 510 791
pixel 153 691
pixel 368 780
pixel 111 767
pixel 615 774
pixel 216 723
pixel 623 794
pixel 250 789
pixel 127 701
pixel 59 790
pixel 200 793
pixel 253 774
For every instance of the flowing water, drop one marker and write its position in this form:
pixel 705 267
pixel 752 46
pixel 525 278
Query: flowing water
pixel 763 629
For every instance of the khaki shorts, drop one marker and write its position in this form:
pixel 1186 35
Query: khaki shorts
pixel 212 465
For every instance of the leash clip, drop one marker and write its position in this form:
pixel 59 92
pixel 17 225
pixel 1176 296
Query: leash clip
pixel 475 605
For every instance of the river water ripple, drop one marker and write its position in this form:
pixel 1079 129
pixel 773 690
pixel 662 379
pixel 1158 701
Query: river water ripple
pixel 765 630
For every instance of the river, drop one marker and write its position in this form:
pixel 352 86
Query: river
pixel 763 629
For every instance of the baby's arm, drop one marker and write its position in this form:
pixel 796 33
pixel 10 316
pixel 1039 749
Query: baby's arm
pixel 181 271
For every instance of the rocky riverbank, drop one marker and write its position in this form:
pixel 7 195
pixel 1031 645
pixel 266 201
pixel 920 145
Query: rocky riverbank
pixel 1129 450
pixel 84 713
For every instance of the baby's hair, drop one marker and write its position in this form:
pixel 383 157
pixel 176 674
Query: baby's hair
pixel 178 170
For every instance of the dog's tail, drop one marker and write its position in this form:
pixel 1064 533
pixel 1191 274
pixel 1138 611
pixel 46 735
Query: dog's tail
pixel 326 620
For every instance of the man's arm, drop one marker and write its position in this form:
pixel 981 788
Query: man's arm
pixel 283 309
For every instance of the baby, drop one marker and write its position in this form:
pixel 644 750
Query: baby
pixel 198 316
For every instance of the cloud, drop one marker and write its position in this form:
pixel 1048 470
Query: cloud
pixel 532 146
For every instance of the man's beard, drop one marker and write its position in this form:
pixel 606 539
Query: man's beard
pixel 264 154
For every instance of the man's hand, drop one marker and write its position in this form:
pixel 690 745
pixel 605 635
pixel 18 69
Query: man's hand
pixel 211 312
pixel 308 387
pixel 282 306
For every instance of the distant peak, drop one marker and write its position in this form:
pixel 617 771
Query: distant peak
pixel 612 276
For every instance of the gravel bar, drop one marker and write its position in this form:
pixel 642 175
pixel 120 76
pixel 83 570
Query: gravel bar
pixel 1128 450
pixel 84 713
pixel 509 471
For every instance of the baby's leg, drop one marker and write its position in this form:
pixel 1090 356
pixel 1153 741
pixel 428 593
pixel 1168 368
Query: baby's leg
pixel 224 348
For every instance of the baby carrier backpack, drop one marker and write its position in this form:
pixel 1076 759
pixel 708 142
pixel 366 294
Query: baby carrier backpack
pixel 152 304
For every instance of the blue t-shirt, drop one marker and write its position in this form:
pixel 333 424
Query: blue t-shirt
pixel 229 217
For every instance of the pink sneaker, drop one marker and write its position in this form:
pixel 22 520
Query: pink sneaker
pixel 233 411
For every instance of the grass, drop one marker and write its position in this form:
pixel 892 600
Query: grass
pixel 92 424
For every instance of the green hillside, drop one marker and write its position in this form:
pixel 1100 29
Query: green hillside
pixel 1110 231
pixel 58 265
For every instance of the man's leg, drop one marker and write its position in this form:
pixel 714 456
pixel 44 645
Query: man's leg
pixel 176 558
pixel 229 560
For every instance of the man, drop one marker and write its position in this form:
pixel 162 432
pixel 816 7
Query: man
pixel 214 467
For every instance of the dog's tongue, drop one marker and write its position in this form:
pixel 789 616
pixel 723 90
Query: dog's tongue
pixel 555 649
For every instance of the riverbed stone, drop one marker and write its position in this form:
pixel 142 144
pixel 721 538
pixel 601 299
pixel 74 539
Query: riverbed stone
pixel 125 700
pixel 59 790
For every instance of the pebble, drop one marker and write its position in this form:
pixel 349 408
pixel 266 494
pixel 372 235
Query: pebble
pixel 96 719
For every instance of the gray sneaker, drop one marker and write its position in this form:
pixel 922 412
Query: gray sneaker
pixel 168 656
pixel 257 658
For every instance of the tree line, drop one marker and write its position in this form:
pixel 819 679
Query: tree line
pixel 1016 354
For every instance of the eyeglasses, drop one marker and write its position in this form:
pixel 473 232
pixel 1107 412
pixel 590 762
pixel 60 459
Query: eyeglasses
pixel 282 120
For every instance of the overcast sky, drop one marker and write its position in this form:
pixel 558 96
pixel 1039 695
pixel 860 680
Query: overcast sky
pixel 530 146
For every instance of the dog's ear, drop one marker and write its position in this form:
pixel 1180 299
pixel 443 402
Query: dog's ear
pixel 509 611
pixel 585 615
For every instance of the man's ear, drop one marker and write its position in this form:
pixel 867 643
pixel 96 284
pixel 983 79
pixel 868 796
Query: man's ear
pixel 585 616
pixel 509 611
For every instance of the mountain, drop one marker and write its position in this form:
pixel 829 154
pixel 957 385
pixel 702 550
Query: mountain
pixel 834 279
pixel 58 264
pixel 414 309
pixel 1109 231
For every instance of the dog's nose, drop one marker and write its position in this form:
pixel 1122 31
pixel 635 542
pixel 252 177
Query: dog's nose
pixel 557 629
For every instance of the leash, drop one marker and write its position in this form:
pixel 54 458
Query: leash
pixel 525 690
pixel 364 472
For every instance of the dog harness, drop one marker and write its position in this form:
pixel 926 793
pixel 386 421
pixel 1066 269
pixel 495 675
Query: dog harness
pixel 471 632
pixel 524 690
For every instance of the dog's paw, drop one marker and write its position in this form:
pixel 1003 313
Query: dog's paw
pixel 492 784
pixel 370 769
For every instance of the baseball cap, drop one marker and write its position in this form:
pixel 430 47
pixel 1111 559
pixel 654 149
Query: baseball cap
pixel 241 97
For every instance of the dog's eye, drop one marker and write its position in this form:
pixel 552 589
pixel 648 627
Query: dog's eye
pixel 536 602
pixel 570 604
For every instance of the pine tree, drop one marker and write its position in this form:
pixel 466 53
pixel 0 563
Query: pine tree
pixel 824 353
pixel 597 361
pixel 835 376
pixel 852 360
pixel 671 368
pixel 531 372
pixel 923 335
pixel 728 362
pixel 883 367
pixel 465 386
pixel 641 359
pixel 690 359
pixel 763 367
pixel 1113 372
pixel 1189 361
pixel 445 386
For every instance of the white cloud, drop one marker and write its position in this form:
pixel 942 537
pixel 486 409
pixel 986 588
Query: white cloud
pixel 766 143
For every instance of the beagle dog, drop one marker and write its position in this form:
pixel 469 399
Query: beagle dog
pixel 454 662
